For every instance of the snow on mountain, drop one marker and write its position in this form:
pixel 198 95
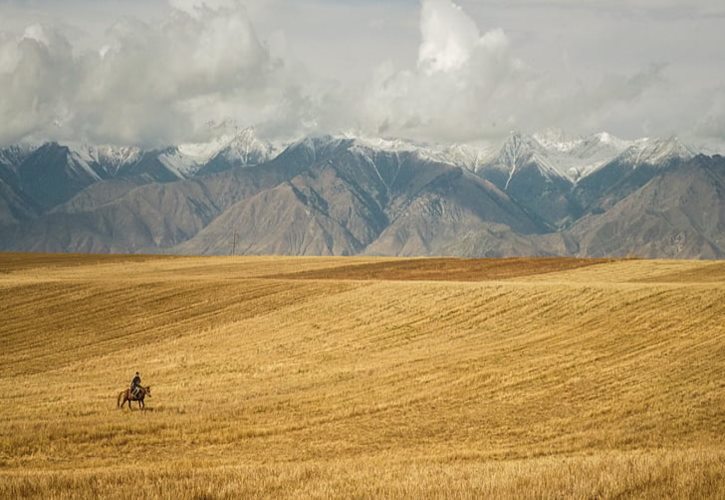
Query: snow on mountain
pixel 555 153
pixel 116 157
pixel 177 163
pixel 656 152
pixel 187 159
pixel 650 152
pixel 106 158
pixel 470 156
pixel 556 140
pixel 520 151
pixel 583 156
pixel 383 144
pixel 15 154
pixel 202 152
pixel 240 148
pixel 247 148
pixel 577 157
pixel 78 160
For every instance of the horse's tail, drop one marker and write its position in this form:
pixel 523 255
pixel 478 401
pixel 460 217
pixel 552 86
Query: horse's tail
pixel 118 403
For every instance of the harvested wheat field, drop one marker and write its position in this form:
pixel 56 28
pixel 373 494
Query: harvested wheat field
pixel 354 377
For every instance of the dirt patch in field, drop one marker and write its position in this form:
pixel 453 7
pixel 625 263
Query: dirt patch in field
pixel 10 262
pixel 447 269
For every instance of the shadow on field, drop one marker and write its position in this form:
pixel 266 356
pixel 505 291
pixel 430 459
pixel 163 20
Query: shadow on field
pixel 447 269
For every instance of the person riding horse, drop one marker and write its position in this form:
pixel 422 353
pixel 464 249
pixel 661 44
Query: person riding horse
pixel 137 392
pixel 135 384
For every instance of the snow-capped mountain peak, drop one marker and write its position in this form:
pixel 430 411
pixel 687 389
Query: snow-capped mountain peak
pixel 16 153
pixel 601 141
pixel 520 150
pixel 118 156
pixel 519 146
pixel 246 147
pixel 204 151
pixel 556 140
pixel 554 153
pixel 656 152
pixel 469 156
pixel 240 148
pixel 383 144
pixel 180 164
pixel 111 158
pixel 577 157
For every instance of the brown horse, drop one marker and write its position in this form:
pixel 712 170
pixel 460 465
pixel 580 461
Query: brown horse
pixel 126 395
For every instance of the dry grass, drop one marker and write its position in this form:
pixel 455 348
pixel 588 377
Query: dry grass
pixel 446 269
pixel 605 379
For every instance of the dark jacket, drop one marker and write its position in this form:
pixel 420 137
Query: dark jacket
pixel 136 381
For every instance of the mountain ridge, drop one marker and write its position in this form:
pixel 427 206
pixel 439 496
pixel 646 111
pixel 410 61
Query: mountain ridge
pixel 347 195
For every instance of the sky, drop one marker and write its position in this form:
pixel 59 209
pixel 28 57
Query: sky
pixel 159 72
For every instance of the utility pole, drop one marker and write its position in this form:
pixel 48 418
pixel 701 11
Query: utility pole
pixel 234 245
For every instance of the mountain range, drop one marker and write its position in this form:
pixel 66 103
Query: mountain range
pixel 542 194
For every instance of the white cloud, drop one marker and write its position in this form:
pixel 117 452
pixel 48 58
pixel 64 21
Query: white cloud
pixel 469 86
pixel 149 85
pixel 197 7
pixel 448 36
pixel 711 127
pixel 465 85
pixel 36 77
pixel 452 72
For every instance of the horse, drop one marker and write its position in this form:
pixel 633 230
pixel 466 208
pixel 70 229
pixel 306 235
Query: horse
pixel 126 395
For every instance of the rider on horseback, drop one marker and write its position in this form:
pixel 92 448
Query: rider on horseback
pixel 135 384
pixel 137 392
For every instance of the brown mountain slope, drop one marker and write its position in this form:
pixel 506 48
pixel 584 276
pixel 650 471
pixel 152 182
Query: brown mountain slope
pixel 455 204
pixel 119 217
pixel 351 202
pixel 678 214
pixel 339 196
pixel 276 221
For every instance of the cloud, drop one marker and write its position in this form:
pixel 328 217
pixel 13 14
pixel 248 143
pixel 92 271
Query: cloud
pixel 470 86
pixel 440 70
pixel 712 123
pixel 36 78
pixel 149 85
pixel 449 36
pixel 197 7
pixel 463 86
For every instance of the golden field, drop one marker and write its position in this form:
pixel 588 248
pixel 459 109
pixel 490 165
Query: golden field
pixel 367 378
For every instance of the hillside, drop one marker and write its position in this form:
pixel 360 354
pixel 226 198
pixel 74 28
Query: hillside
pixel 341 195
pixel 366 377
pixel 680 211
